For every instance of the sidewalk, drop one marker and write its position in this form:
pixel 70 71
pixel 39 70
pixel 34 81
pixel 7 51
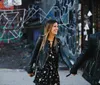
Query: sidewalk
pixel 20 77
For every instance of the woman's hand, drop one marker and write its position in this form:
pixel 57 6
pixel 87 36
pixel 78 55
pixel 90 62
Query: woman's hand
pixel 31 74
pixel 73 71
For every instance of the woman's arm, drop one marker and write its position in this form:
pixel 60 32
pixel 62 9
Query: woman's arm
pixel 86 54
pixel 63 56
pixel 34 55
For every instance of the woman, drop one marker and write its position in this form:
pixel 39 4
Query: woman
pixel 47 70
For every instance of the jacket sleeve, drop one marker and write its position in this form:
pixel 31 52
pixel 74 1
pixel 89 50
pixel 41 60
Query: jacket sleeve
pixel 63 56
pixel 84 56
pixel 34 55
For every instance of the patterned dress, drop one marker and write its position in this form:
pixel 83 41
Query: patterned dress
pixel 49 74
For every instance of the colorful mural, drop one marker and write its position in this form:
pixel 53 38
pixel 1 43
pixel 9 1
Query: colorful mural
pixel 3 7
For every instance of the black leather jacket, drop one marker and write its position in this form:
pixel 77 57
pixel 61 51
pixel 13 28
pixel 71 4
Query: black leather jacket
pixel 44 54
pixel 89 52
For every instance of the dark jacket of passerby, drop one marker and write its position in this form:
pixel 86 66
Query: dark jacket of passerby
pixel 91 52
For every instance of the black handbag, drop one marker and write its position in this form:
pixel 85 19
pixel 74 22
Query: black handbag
pixel 91 69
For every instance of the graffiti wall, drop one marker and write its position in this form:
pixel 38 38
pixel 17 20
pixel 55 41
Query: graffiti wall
pixel 64 11
pixel 11 22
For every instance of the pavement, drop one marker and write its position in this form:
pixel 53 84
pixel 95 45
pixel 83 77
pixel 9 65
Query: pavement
pixel 20 77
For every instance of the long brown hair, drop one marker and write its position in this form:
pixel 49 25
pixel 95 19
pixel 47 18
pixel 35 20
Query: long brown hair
pixel 47 29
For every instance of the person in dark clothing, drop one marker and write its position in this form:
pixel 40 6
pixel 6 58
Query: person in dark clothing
pixel 47 64
pixel 91 52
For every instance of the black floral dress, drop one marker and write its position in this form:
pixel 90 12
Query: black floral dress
pixel 49 74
